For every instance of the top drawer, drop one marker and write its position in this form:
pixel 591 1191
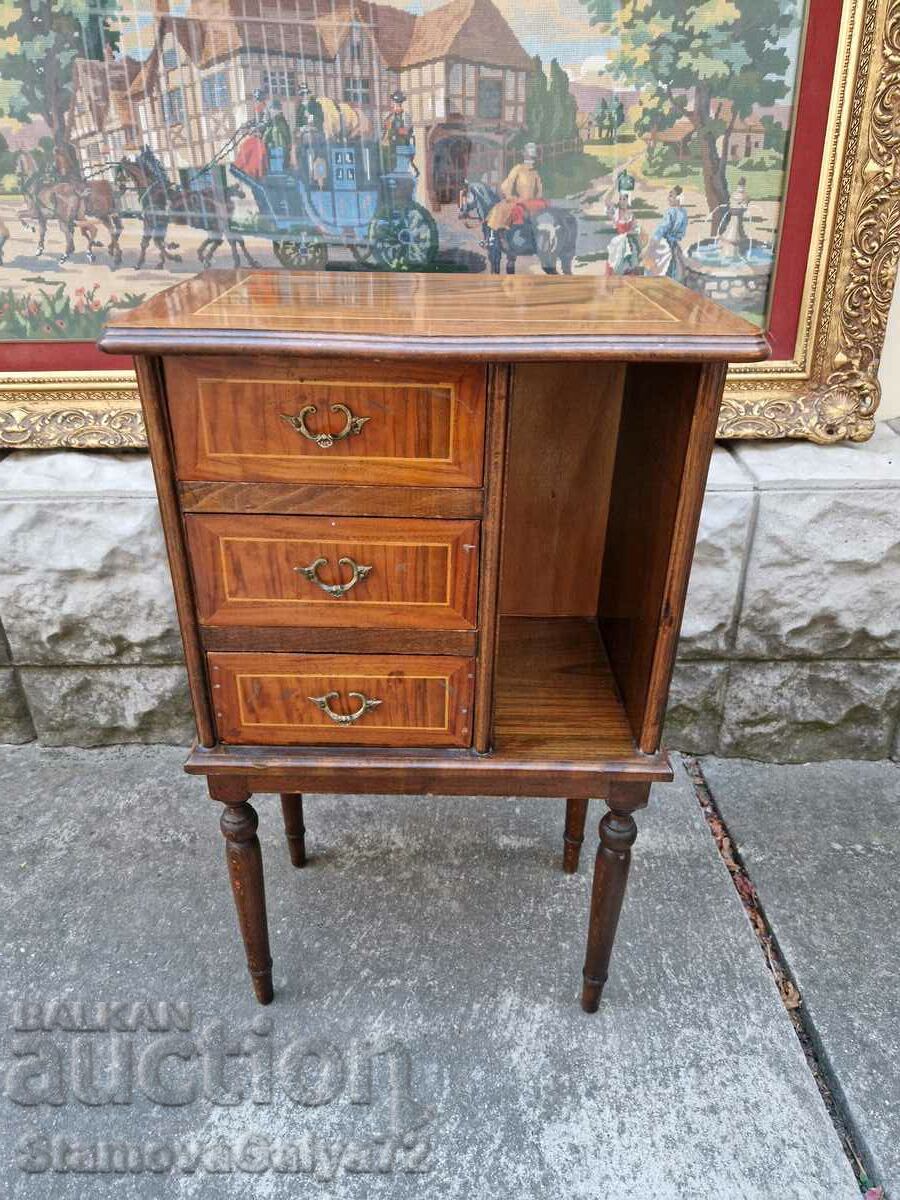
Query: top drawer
pixel 297 421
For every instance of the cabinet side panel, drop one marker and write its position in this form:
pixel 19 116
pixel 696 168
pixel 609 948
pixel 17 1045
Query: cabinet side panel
pixel 499 383
pixel 562 439
pixel 150 384
pixel 665 442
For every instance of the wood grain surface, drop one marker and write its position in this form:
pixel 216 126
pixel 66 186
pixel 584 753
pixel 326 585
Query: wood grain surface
pixel 379 770
pixel 494 317
pixel 328 499
pixel 499 385
pixel 150 382
pixel 231 420
pixel 422 573
pixel 555 693
pixel 266 699
pixel 563 422
pixel 665 442
pixel 342 639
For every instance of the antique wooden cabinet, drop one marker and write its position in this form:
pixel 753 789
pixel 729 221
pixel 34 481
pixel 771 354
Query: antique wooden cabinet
pixel 430 534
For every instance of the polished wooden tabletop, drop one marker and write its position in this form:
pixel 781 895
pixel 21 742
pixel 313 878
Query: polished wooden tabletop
pixel 473 316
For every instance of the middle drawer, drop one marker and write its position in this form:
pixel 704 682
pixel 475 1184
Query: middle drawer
pixel 373 572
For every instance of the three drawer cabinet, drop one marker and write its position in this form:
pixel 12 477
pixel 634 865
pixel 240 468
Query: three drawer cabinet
pixel 430 534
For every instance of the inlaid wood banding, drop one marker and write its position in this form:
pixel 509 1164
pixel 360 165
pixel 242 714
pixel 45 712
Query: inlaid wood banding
pixel 262 570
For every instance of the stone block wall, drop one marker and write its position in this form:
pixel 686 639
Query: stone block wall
pixel 790 649
pixel 86 604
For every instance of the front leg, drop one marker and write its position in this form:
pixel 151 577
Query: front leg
pixel 617 834
pixel 244 859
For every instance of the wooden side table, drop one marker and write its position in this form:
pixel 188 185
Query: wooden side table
pixel 430 534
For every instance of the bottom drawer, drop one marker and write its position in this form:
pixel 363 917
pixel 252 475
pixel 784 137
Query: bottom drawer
pixel 342 699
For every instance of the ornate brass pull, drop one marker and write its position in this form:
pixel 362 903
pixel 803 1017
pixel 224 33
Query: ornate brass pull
pixel 336 590
pixel 325 440
pixel 344 718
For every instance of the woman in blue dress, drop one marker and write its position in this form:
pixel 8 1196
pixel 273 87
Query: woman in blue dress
pixel 668 236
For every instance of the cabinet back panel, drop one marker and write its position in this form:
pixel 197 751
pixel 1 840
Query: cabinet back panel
pixel 564 422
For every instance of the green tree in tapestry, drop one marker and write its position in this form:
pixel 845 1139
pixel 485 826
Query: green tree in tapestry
pixel 563 108
pixel 41 45
pixel 536 105
pixel 690 57
pixel 550 107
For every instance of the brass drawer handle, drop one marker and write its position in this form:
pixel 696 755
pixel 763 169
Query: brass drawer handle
pixel 335 590
pixel 344 718
pixel 325 440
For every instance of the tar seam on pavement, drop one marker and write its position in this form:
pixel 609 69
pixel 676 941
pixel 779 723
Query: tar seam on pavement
pixel 816 1057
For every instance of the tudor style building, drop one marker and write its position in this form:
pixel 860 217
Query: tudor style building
pixel 102 118
pixel 461 66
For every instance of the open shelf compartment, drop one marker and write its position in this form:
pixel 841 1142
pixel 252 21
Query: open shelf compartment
pixel 555 695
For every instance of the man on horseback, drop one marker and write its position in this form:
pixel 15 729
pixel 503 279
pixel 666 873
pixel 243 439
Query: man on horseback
pixel 521 187
pixel 55 189
pixel 530 227
pixel 66 166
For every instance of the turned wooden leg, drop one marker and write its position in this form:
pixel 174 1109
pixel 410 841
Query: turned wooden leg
pixel 576 814
pixel 295 830
pixel 617 834
pixel 244 859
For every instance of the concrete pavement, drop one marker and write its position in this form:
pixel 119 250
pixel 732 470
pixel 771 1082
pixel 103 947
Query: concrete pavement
pixel 425 1038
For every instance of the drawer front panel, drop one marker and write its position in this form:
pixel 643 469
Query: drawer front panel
pixel 272 420
pixel 396 574
pixel 339 699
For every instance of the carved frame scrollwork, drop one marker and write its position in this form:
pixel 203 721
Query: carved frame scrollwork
pixel 827 392
pixel 71 410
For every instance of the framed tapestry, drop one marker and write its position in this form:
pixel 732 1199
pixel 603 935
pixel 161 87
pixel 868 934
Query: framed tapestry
pixel 746 148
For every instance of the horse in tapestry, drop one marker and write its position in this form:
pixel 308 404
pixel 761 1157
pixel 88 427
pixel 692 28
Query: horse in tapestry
pixel 72 201
pixel 550 234
pixel 204 204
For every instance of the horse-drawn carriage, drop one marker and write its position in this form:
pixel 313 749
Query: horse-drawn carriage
pixel 340 194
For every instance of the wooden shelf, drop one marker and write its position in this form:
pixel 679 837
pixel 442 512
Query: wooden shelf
pixel 555 694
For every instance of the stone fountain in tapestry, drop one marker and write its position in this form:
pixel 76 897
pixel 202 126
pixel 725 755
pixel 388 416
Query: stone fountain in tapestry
pixel 731 267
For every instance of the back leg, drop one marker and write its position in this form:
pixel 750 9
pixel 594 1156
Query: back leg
pixel 576 814
pixel 295 830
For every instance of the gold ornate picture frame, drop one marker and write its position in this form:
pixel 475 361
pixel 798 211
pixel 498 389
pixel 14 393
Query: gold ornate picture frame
pixel 830 317
pixel 828 389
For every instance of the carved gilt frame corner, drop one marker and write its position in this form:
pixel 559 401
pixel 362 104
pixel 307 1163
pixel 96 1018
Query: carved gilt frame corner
pixel 827 392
